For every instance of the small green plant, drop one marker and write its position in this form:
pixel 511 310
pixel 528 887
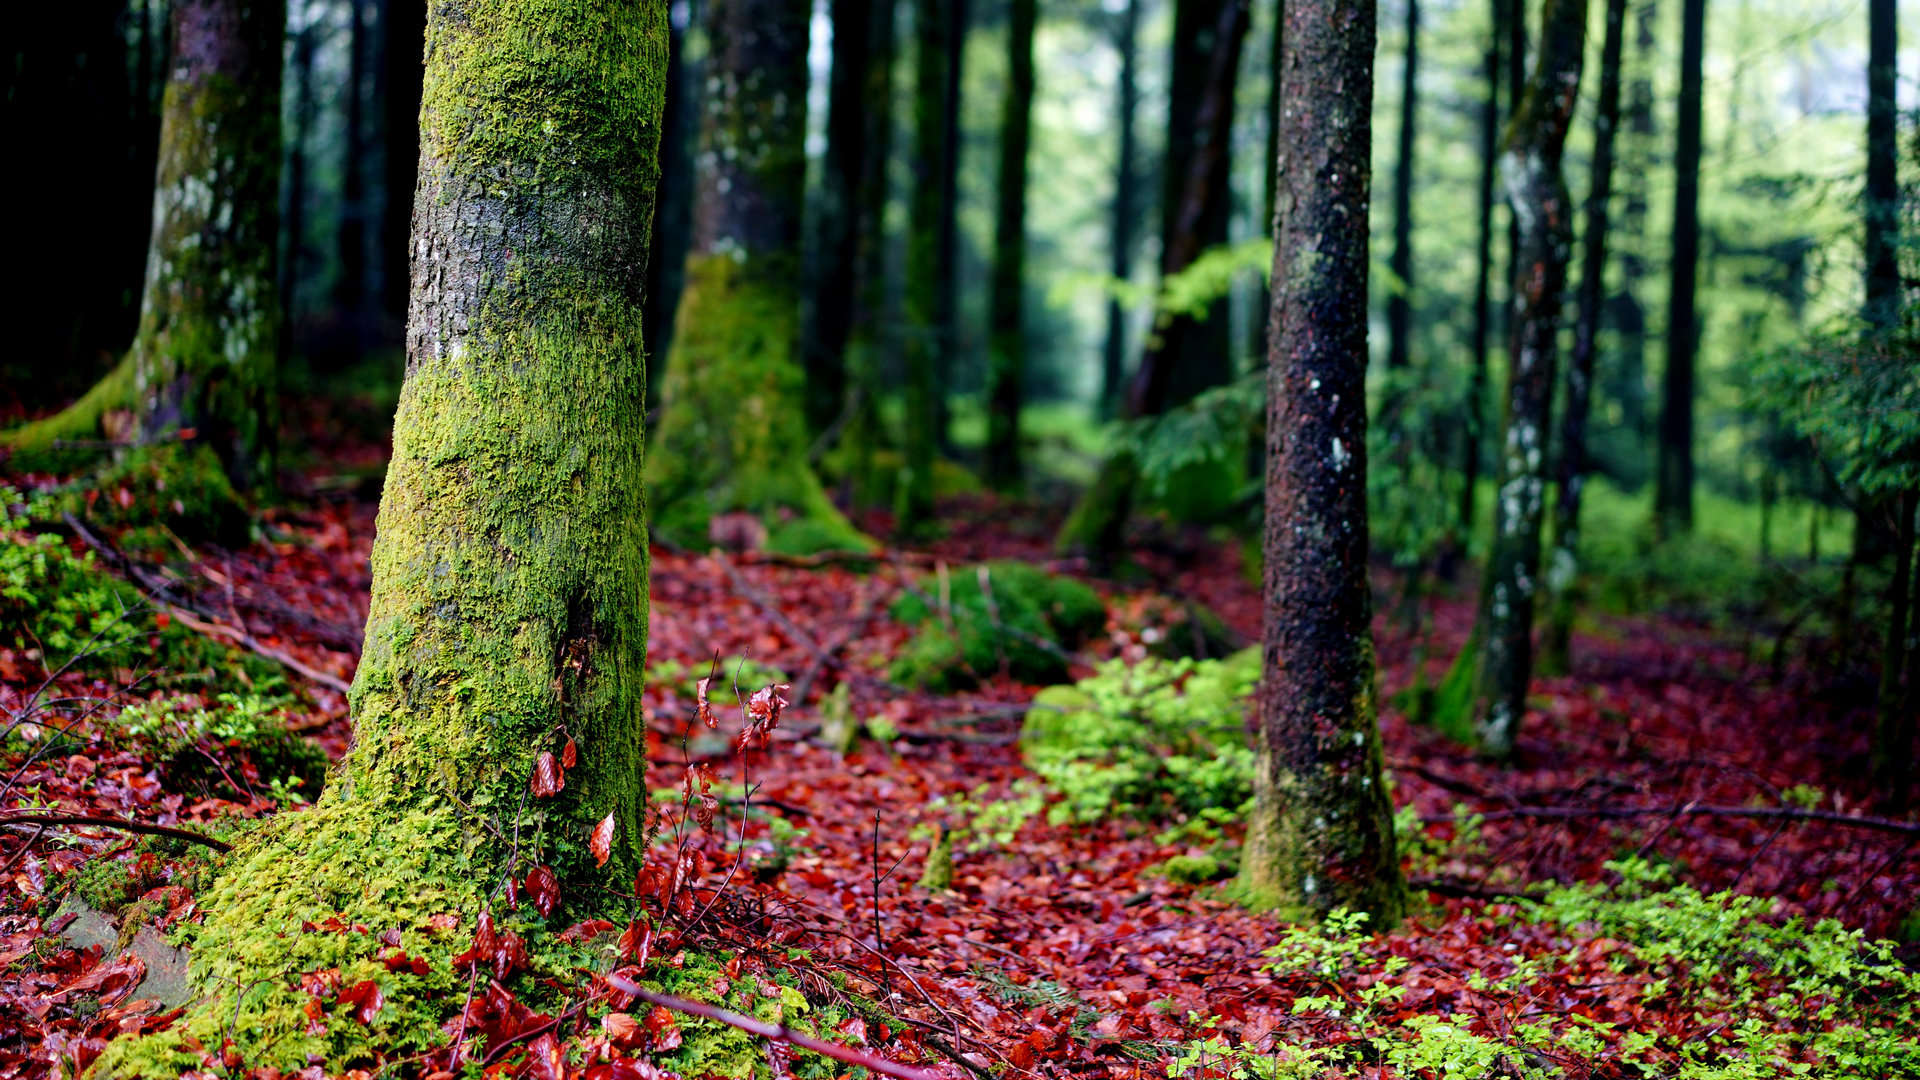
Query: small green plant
pixel 240 740
pixel 976 821
pixel 1157 739
pixel 975 621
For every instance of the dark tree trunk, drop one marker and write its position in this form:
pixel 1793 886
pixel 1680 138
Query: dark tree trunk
pixel 403 25
pixel 1257 328
pixel 1006 362
pixel 835 279
pixel 293 196
pixel 1883 178
pixel 1400 302
pixel 733 437
pixel 1321 834
pixel 1563 566
pixel 350 291
pixel 1486 695
pixel 1200 350
pixel 948 299
pixel 1673 489
pixel 508 615
pixel 1097 526
pixel 929 285
pixel 1628 372
pixel 673 207
pixel 1893 730
pixel 1113 371
pixel 870 337
pixel 1473 436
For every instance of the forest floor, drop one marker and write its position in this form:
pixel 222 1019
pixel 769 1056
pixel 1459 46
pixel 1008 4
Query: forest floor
pixel 1058 948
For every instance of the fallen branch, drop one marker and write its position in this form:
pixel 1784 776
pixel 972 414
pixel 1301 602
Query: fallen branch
pixel 15 819
pixel 1789 813
pixel 776 1032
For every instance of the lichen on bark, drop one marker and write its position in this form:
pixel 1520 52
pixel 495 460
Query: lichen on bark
pixel 510 571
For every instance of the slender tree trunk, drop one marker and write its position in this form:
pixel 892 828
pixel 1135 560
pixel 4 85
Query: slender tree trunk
pixel 351 289
pixel 732 435
pixel 830 308
pixel 947 300
pixel 673 208
pixel 1474 435
pixel 1257 326
pixel 1007 343
pixel 1673 493
pixel 1516 58
pixel 1097 526
pixel 1113 370
pixel 1629 370
pixel 403 24
pixel 870 338
pixel 1486 695
pixel 1321 835
pixel 1893 729
pixel 293 198
pixel 1883 180
pixel 1400 302
pixel 929 266
pixel 508 615
pixel 1563 567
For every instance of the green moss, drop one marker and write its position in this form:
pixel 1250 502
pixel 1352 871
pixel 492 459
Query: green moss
pixel 183 486
pixel 1191 869
pixel 732 436
pixel 34 447
pixel 968 632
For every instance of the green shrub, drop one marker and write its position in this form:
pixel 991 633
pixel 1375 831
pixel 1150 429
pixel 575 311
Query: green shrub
pixel 1161 738
pixel 1024 618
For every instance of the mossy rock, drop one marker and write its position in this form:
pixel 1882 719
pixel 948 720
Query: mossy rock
pixel 1012 622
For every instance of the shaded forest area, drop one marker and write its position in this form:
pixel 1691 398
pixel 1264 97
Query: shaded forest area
pixel 1216 539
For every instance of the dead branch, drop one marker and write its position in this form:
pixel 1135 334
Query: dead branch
pixel 21 818
pixel 1788 813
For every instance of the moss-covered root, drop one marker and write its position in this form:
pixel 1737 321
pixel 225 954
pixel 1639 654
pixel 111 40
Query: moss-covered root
pixel 732 435
pixel 37 446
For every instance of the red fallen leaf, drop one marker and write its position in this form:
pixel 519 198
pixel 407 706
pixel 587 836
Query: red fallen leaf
pixel 443 922
pixel 636 942
pixel 570 754
pixel 548 1061
pixel 162 620
pixel 395 960
pixel 581 931
pixel 620 1027
pixel 543 888
pixel 702 707
pixel 854 1028
pixel 365 999
pixel 601 842
pixel 663 1032
pixel 1021 1056
pixel 547 778
pixel 112 981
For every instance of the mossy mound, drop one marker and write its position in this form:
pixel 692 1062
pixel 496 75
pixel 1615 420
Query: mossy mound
pixel 181 486
pixel 1185 630
pixel 1023 619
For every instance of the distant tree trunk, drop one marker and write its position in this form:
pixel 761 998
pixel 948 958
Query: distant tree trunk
pixel 1257 326
pixel 1400 302
pixel 403 24
pixel 1200 350
pixel 1474 437
pixel 293 198
pixel 508 615
pixel 1113 370
pixel 1893 730
pixel 1321 834
pixel 869 337
pixel 350 290
pixel 1006 364
pixel 201 369
pixel 673 207
pixel 1627 382
pixel 830 307
pixel 1097 526
pixel 929 293
pixel 1486 694
pixel 732 436
pixel 1673 489
pixel 1883 178
pixel 1563 567
pixel 1516 57
pixel 948 298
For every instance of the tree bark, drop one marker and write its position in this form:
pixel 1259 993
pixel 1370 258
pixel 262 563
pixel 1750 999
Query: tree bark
pixel 1883 179
pixel 830 308
pixel 1486 695
pixel 1626 378
pixel 1321 835
pixel 1400 302
pixel 929 285
pixel 1673 489
pixel 870 335
pixel 1473 436
pixel 508 615
pixel 1563 567
pixel 350 290
pixel 1893 728
pixel 1113 371
pixel 733 435
pixel 1006 360
pixel 673 207
pixel 403 27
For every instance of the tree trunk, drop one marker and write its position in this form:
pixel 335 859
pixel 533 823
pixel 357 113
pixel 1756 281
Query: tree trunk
pixel 1097 526
pixel 733 437
pixel 1321 835
pixel 1486 694
pixel 948 298
pixel 1628 373
pixel 1673 491
pixel 829 310
pixel 1893 729
pixel 1473 436
pixel 1007 340
pixel 870 338
pixel 403 26
pixel 1400 301
pixel 673 206
pixel 1883 180
pixel 508 615
pixel 1257 328
pixel 350 291
pixel 1113 371
pixel 1563 566
pixel 929 286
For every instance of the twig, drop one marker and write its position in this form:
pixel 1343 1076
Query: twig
pixel 1791 813
pixel 13 818
pixel 776 1032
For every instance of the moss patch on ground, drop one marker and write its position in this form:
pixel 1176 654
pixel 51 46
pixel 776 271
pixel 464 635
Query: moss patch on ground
pixel 978 620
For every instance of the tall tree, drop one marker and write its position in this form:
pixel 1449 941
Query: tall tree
pixel 870 335
pixel 1563 566
pixel 830 306
pixel 201 369
pixel 403 30
pixel 1673 482
pixel 1257 330
pixel 1400 301
pixel 1321 835
pixel 1626 375
pixel 673 207
pixel 1486 694
pixel 508 617
pixel 350 289
pixel 1006 346
pixel 1120 259
pixel 1472 437
pixel 1883 173
pixel 732 435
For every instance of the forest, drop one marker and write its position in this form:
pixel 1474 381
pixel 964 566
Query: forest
pixel 960 540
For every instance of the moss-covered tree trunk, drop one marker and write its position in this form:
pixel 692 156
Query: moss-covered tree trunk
pixel 929 279
pixel 1563 566
pixel 1673 480
pixel 508 616
pixel 1486 694
pixel 869 338
pixel 733 432
pixel 203 360
pixel 1007 347
pixel 1321 835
